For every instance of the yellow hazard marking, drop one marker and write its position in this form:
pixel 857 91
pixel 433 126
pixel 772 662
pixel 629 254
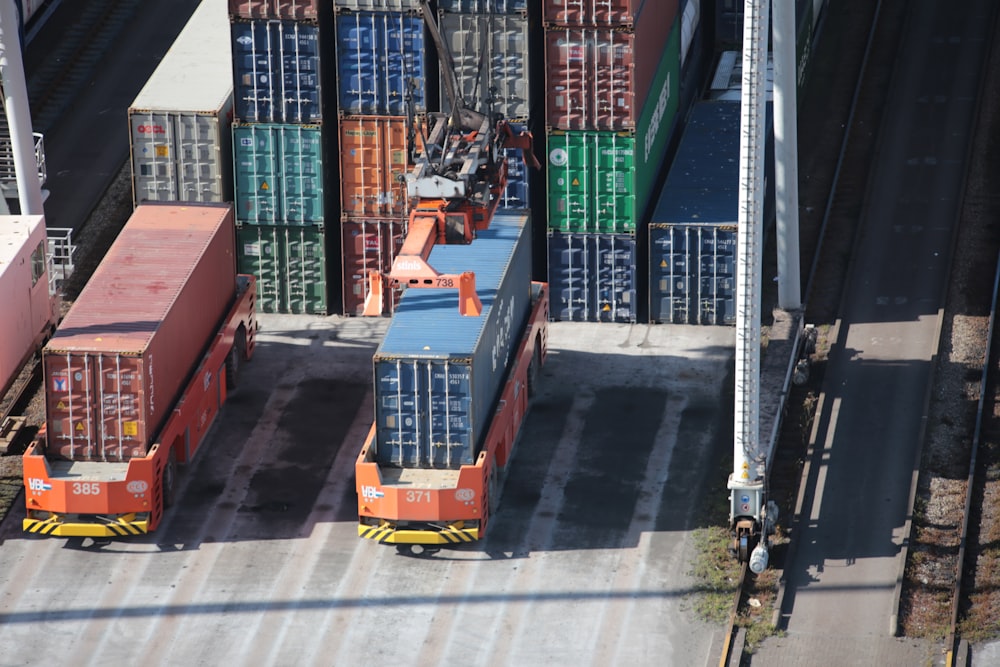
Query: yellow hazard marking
pixel 265 186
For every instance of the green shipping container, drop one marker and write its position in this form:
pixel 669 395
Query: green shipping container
pixel 290 265
pixel 601 181
pixel 278 174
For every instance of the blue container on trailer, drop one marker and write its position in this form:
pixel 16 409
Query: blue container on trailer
pixel 592 277
pixel 381 63
pixel 438 374
pixel 276 71
pixel 278 174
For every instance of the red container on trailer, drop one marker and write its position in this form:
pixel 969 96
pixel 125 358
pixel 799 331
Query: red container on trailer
pixel 294 10
pixel 116 365
pixel 369 244
pixel 598 78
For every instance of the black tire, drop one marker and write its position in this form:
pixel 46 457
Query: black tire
pixel 169 481
pixel 235 359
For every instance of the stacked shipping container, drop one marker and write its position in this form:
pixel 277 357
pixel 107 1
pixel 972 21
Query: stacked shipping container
pixel 612 76
pixel 179 125
pixel 281 144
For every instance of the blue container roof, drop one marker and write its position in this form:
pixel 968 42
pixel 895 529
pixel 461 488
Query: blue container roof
pixel 426 323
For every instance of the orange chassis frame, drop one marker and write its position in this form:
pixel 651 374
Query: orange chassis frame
pixel 107 499
pixel 453 509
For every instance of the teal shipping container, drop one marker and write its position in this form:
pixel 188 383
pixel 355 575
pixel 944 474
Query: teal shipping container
pixel 278 174
pixel 290 264
pixel 602 181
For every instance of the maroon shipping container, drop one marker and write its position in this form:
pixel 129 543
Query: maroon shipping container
pixel 294 10
pixel 116 365
pixel 599 78
pixel 369 244
pixel 620 13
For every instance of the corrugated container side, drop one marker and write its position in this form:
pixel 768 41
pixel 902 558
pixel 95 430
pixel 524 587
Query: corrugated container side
pixel 278 174
pixel 276 71
pixel 381 63
pixel 692 273
pixel 378 5
pixel 369 245
pixel 483 6
pixel 601 181
pixel 592 277
pixel 24 291
pixel 499 71
pixel 374 158
pixel 180 143
pixel 293 10
pixel 438 374
pixel 616 13
pixel 120 358
pixel 599 78
pixel 290 264
pixel 515 195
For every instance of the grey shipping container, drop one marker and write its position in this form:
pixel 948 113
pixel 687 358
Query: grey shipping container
pixel 179 134
pixel 592 277
pixel 438 374
pixel 500 71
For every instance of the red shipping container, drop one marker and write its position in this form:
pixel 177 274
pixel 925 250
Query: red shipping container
pixel 369 245
pixel 295 10
pixel 374 158
pixel 116 365
pixel 599 78
pixel 616 13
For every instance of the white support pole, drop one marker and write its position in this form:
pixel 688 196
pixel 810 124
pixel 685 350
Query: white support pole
pixel 746 480
pixel 29 188
pixel 786 171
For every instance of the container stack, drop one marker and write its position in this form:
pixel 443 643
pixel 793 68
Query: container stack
pixel 612 76
pixel 382 73
pixel 281 147
pixel 179 125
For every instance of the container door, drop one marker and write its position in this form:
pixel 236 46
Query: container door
pixel 153 157
pixel 71 397
pixel 199 169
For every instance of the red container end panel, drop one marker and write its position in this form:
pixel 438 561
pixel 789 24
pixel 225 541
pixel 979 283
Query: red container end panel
pixel 599 78
pixel 608 12
pixel 369 245
pixel 294 10
pixel 117 364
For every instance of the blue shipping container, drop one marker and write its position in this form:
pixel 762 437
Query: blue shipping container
pixel 692 273
pixel 438 374
pixel 277 71
pixel 592 277
pixel 515 195
pixel 278 174
pixel 381 63
pixel 693 229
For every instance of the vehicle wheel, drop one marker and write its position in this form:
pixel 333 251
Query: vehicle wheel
pixel 234 360
pixel 170 480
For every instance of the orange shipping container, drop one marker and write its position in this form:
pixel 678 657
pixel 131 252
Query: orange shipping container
pixel 374 157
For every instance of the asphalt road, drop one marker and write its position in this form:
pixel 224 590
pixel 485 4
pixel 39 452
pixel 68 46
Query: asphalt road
pixel 587 561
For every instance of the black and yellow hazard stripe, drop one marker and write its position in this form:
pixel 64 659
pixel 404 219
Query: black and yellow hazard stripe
pixel 55 525
pixel 387 533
